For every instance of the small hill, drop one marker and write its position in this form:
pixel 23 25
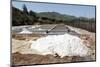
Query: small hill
pixel 56 15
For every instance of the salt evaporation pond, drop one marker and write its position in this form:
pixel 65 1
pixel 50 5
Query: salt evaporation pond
pixel 62 45
pixel 25 31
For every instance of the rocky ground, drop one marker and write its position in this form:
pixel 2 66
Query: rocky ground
pixel 23 55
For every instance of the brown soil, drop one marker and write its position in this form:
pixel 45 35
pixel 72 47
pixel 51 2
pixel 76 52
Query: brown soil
pixel 24 59
pixel 22 55
pixel 25 36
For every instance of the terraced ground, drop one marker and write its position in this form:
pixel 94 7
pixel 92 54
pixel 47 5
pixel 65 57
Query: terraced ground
pixel 23 55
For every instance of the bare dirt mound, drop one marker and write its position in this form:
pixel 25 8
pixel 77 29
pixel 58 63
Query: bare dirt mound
pixel 24 59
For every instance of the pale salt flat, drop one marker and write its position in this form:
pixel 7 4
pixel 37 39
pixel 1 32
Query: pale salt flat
pixel 62 45
pixel 36 26
pixel 25 31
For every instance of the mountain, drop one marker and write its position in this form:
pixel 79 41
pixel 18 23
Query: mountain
pixel 56 15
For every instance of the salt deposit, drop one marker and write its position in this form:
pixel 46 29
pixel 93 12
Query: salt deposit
pixel 35 26
pixel 25 31
pixel 63 45
pixel 40 29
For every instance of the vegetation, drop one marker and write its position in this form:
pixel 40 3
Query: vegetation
pixel 25 17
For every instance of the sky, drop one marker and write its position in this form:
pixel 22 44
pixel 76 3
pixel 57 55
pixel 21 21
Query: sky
pixel 68 9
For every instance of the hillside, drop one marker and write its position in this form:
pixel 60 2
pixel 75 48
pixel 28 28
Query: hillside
pixel 55 15
pixel 25 17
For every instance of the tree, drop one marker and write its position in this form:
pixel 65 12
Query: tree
pixel 25 9
pixel 32 13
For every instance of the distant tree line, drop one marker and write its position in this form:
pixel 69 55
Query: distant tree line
pixel 25 17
